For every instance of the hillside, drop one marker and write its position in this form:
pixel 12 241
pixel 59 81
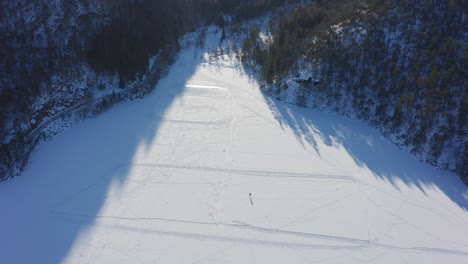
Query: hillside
pixel 400 66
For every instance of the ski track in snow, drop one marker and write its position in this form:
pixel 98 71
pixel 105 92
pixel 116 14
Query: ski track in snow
pixel 167 179
pixel 254 172
pixel 355 243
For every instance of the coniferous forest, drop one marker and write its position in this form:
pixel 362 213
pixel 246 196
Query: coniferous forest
pixel 401 66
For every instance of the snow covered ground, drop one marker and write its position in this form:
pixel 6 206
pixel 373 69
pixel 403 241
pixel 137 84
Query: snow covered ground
pixel 167 179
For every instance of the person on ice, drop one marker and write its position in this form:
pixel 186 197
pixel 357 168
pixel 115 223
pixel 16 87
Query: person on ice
pixel 250 197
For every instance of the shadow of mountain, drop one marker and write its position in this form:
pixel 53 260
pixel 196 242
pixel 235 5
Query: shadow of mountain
pixel 96 154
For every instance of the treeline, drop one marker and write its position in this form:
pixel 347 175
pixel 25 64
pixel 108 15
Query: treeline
pixel 400 65
pixel 141 28
pixel 138 30
pixel 38 39
pixel 292 32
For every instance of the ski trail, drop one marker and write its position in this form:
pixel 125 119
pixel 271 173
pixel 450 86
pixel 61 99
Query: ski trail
pixel 224 179
pixel 351 243
pixel 255 173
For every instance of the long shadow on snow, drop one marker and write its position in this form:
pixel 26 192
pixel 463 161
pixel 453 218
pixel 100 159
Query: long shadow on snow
pixel 367 146
pixel 93 157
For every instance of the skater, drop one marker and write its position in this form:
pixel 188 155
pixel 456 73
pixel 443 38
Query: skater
pixel 250 197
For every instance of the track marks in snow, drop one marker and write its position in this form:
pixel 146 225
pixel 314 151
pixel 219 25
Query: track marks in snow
pixel 209 231
pixel 207 87
pixel 235 233
pixel 301 234
pixel 206 92
pixel 255 173
pixel 219 123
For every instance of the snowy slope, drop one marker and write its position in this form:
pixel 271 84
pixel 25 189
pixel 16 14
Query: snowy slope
pixel 167 179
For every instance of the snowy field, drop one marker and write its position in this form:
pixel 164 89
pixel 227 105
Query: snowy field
pixel 207 169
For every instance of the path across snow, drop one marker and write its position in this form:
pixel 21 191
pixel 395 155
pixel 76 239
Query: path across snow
pixel 167 179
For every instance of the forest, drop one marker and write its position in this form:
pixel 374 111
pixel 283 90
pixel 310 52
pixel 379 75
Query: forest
pixel 122 49
pixel 400 66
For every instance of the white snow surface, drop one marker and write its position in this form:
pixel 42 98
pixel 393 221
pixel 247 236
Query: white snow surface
pixel 168 178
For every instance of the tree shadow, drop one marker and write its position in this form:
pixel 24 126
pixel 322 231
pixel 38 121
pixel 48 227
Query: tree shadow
pixel 368 148
pixel 97 155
